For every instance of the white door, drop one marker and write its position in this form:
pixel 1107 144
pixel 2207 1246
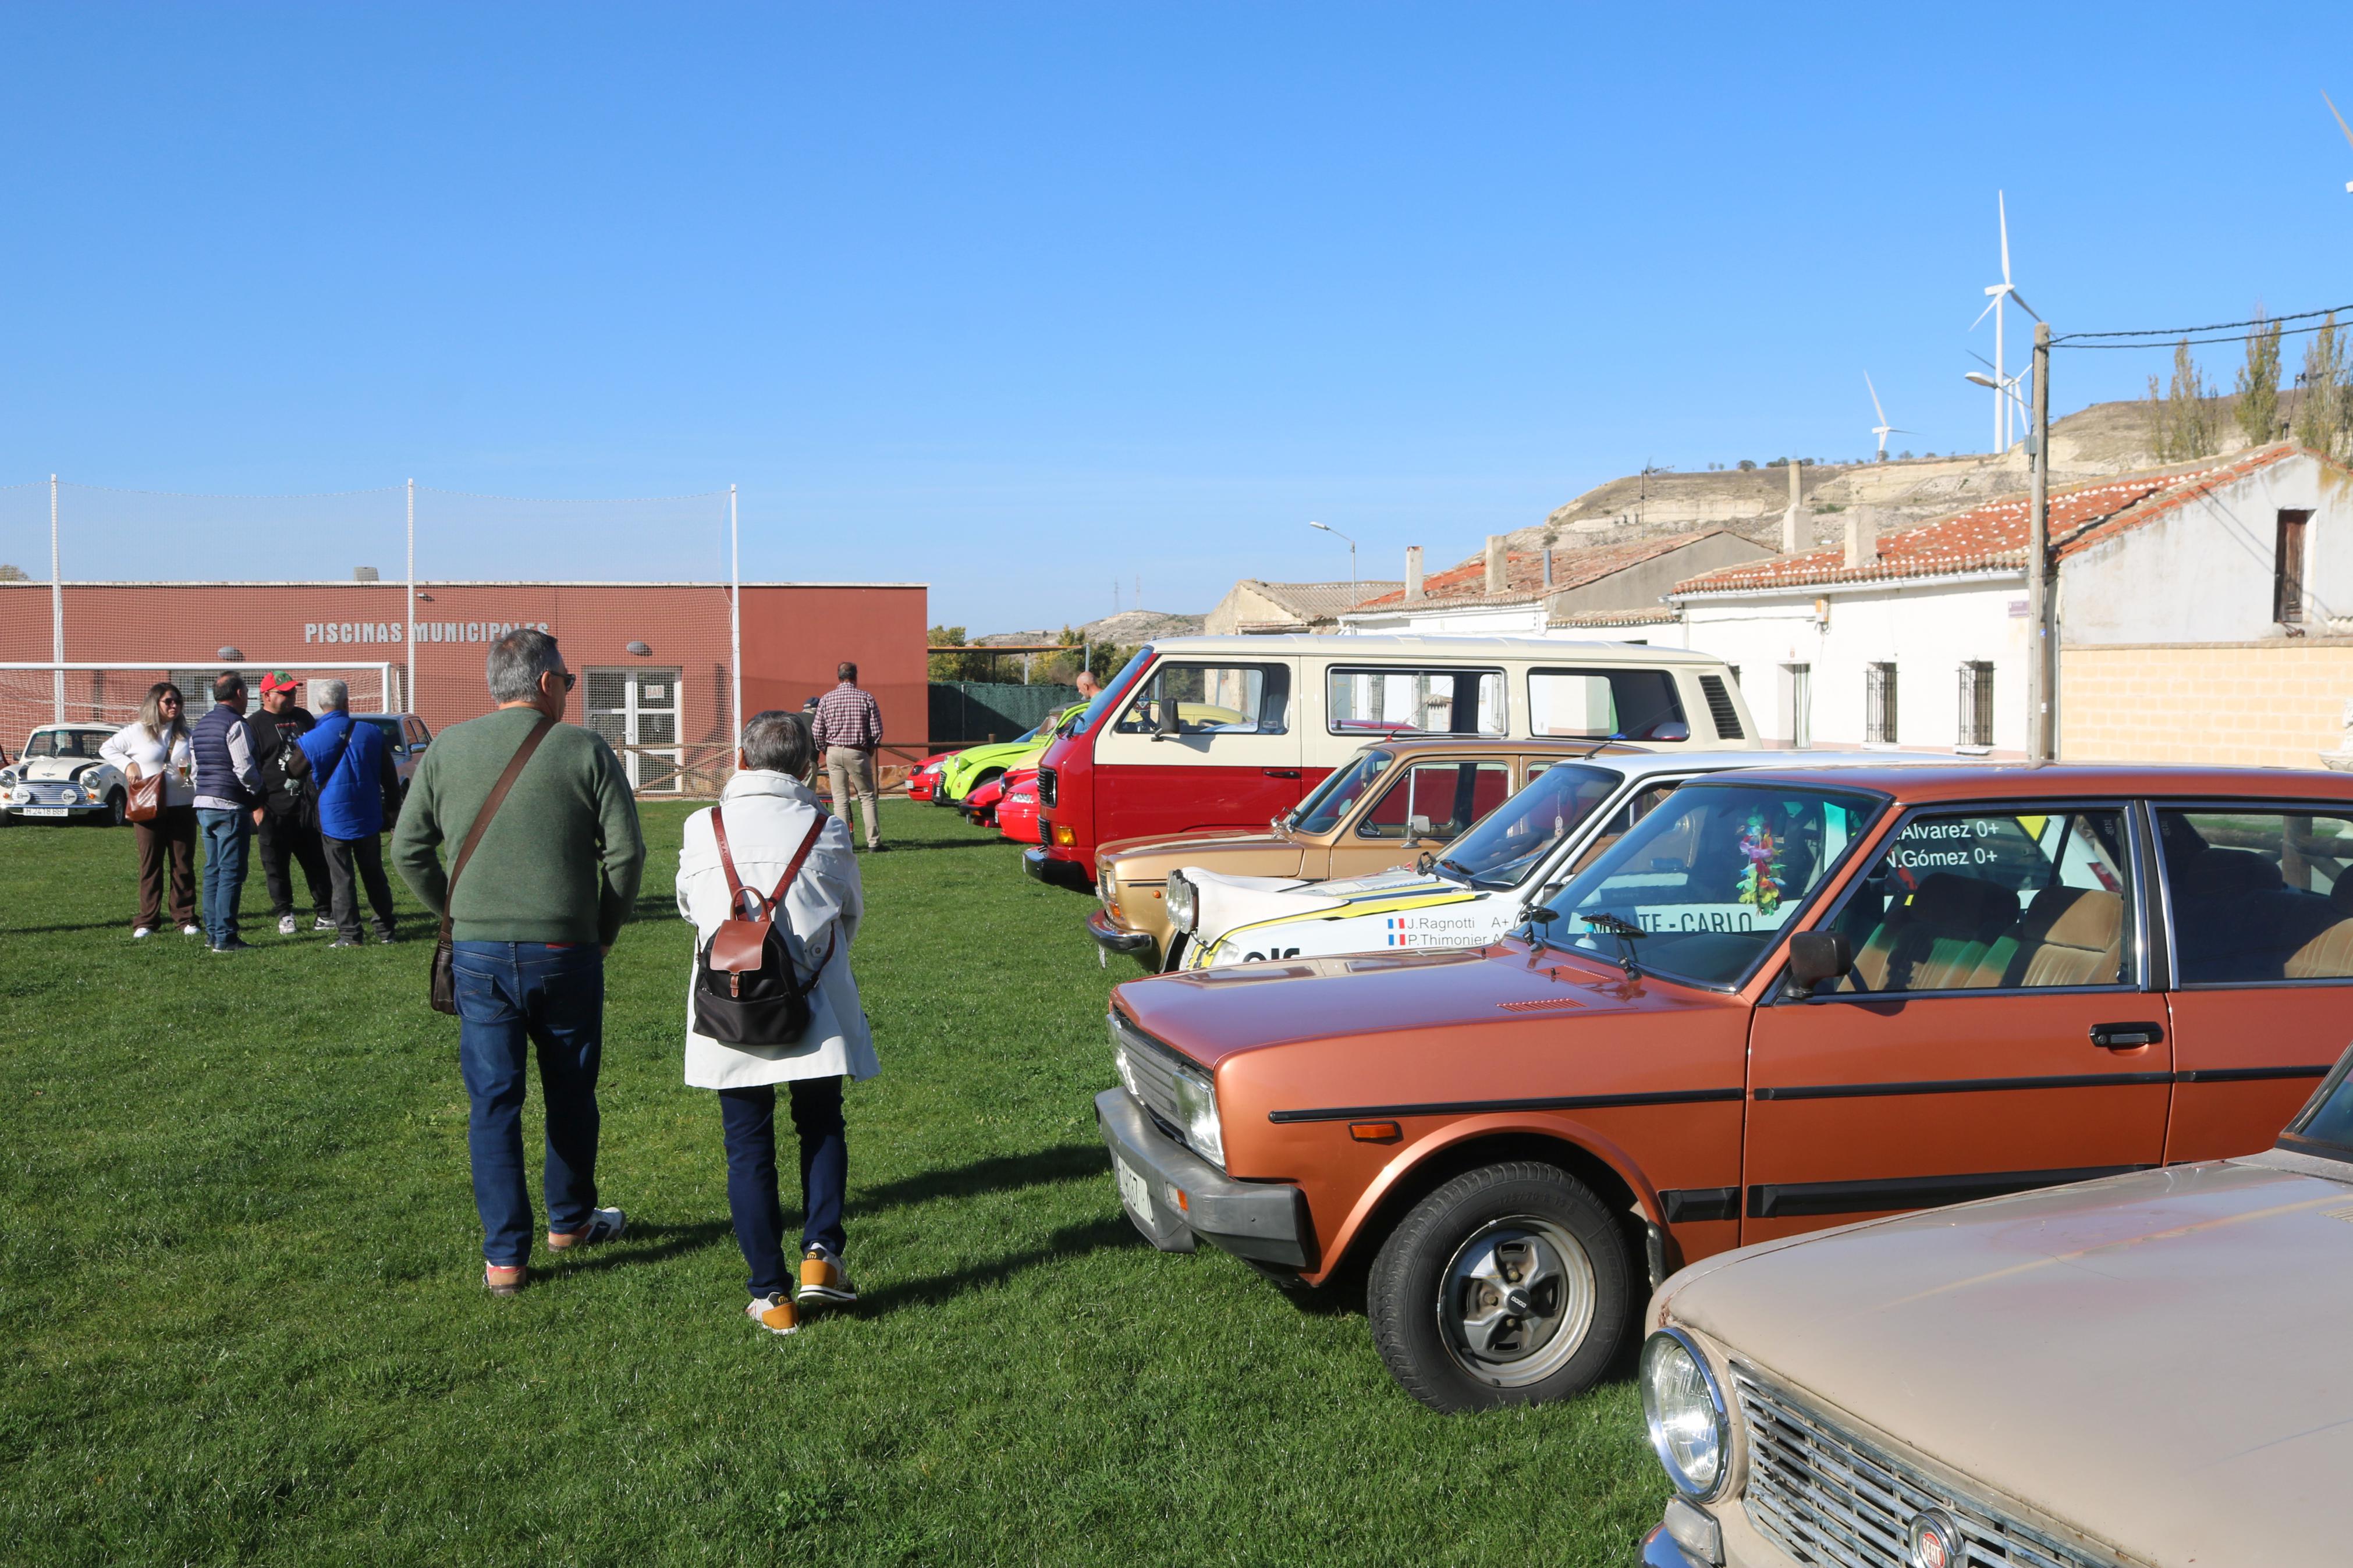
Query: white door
pixel 636 710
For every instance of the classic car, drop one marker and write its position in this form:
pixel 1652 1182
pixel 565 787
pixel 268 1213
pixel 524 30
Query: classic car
pixel 60 776
pixel 924 780
pixel 1783 1000
pixel 975 766
pixel 979 804
pixel 1017 813
pixel 2132 1370
pixel 1384 806
pixel 1478 888
pixel 405 737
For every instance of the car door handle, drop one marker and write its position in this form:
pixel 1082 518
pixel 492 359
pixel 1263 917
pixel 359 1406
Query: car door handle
pixel 1280 772
pixel 2126 1037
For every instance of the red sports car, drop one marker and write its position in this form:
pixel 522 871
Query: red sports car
pixel 1016 810
pixel 925 779
pixel 980 801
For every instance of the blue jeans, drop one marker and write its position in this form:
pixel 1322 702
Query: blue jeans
pixel 749 1118
pixel 226 835
pixel 512 996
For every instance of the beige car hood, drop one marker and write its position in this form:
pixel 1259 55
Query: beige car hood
pixel 2157 1360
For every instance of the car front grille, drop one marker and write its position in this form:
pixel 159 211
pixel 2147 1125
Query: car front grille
pixel 1045 786
pixel 1149 1075
pixel 1825 1497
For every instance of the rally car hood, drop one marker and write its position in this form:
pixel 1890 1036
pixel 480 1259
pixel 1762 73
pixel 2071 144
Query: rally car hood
pixel 2151 1359
pixel 1211 1014
pixel 1226 903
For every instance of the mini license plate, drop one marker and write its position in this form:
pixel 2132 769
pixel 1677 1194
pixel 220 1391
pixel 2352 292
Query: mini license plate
pixel 44 811
pixel 1132 1192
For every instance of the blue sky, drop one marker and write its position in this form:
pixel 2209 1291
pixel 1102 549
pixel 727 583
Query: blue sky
pixel 1022 300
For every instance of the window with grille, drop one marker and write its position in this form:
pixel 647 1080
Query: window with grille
pixel 1879 703
pixel 636 711
pixel 1977 703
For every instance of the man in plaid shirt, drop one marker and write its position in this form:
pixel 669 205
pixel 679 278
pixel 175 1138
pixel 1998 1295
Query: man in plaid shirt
pixel 848 725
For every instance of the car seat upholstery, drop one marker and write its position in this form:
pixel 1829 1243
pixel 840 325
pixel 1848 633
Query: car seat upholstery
pixel 2068 936
pixel 1936 940
pixel 2329 955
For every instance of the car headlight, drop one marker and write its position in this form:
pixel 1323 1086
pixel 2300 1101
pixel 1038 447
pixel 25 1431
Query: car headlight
pixel 935 768
pixel 1197 1100
pixel 1183 903
pixel 1690 1427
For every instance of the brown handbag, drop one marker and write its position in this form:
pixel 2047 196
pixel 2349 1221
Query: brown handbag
pixel 146 798
pixel 445 952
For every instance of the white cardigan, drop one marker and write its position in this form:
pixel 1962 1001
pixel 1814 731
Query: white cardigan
pixel 768 814
pixel 133 744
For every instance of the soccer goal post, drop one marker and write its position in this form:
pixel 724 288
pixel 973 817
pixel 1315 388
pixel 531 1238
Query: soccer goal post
pixel 36 693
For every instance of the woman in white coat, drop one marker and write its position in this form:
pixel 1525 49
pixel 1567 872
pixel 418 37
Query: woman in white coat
pixel 769 807
pixel 157 743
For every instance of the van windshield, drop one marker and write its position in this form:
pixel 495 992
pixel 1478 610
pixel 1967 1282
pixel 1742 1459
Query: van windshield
pixel 1113 692
pixel 1700 888
pixel 1342 787
pixel 1500 851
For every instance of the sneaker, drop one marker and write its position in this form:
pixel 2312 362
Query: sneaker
pixel 604 1225
pixel 386 938
pixel 285 925
pixel 142 933
pixel 192 930
pixel 234 944
pixel 504 1281
pixel 775 1313
pixel 346 942
pixel 823 1281
pixel 322 923
pixel 876 848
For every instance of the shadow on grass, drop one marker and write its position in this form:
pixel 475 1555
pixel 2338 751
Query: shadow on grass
pixel 1064 1163
pixel 1070 1241
pixel 123 926
pixel 647 1243
pixel 895 845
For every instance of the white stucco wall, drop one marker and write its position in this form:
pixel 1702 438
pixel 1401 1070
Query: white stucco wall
pixel 1926 630
pixel 2204 571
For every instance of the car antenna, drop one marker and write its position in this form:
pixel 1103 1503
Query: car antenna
pixel 1598 745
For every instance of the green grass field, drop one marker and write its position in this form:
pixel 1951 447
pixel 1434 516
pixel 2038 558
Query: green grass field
pixel 240 1283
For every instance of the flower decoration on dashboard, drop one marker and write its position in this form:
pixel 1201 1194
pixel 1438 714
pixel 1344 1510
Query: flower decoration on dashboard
pixel 1760 884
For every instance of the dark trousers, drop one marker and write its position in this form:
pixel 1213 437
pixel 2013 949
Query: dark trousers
pixel 291 836
pixel 749 1118
pixel 170 837
pixel 227 835
pixel 513 996
pixel 365 855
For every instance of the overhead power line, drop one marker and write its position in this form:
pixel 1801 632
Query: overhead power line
pixel 2153 336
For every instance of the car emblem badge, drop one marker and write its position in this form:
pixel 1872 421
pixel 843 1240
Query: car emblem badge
pixel 1935 1540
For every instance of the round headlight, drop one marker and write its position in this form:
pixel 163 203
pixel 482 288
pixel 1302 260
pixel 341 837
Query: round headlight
pixel 1182 905
pixel 1684 1408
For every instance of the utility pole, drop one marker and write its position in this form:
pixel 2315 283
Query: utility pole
pixel 56 612
pixel 2043 675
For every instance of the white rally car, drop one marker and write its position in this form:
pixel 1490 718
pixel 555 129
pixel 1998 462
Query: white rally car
pixel 59 775
pixel 1477 888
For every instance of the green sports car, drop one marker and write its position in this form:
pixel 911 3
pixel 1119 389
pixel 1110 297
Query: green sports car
pixel 974 765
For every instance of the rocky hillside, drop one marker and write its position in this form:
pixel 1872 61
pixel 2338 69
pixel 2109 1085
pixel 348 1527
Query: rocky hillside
pixel 1126 629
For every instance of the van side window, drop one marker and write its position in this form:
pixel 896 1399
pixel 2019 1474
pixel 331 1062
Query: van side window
pixel 1210 699
pixel 1637 704
pixel 1404 701
pixel 1447 798
pixel 2259 895
pixel 1995 901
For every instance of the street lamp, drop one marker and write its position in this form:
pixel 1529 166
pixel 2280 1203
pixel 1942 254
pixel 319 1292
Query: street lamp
pixel 1352 548
pixel 2009 389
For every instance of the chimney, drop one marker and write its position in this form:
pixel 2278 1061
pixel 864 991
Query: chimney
pixel 1792 530
pixel 1413 574
pixel 1495 563
pixel 1862 536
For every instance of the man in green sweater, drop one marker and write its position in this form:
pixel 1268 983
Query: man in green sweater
pixel 540 904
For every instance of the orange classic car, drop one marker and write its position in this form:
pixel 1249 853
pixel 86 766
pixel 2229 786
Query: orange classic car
pixel 1783 1000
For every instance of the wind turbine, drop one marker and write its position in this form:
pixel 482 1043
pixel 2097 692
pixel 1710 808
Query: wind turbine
pixel 1882 429
pixel 2340 125
pixel 1997 293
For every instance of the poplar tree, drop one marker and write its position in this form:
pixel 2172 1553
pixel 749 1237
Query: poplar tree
pixel 2321 408
pixel 2181 420
pixel 2258 407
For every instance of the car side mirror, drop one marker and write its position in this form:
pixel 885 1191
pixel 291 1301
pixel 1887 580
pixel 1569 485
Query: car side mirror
pixel 1417 826
pixel 1166 726
pixel 1816 956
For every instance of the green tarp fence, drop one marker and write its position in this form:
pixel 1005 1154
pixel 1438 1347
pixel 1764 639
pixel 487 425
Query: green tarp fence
pixel 970 711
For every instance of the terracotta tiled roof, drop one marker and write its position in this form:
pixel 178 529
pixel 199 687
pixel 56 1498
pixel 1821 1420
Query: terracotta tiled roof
pixel 1315 601
pixel 1649 616
pixel 1993 536
pixel 1524 572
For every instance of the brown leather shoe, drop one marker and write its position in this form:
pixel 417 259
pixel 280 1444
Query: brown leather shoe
pixel 504 1281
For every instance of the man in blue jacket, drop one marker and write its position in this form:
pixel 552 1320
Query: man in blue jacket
pixel 359 794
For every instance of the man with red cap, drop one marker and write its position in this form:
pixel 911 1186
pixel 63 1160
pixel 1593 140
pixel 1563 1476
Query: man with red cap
pixel 290 820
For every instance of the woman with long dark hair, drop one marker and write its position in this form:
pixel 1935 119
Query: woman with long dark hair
pixel 157 743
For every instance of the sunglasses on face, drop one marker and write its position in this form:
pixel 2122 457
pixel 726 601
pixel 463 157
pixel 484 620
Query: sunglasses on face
pixel 570 680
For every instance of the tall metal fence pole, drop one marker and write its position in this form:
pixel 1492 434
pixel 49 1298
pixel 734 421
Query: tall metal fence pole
pixel 56 613
pixel 408 698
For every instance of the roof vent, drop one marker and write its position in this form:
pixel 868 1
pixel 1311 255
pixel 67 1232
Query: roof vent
pixel 364 574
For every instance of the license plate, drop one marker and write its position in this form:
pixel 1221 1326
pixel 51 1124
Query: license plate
pixel 1132 1192
pixel 44 811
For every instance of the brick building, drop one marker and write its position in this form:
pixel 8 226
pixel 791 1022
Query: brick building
pixel 653 657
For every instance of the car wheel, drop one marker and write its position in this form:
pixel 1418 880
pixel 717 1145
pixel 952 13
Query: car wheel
pixel 1509 1285
pixel 117 811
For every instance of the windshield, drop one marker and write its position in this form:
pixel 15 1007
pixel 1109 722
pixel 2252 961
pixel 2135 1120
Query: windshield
pixel 2325 1125
pixel 1112 693
pixel 1708 878
pixel 66 743
pixel 1341 788
pixel 1500 851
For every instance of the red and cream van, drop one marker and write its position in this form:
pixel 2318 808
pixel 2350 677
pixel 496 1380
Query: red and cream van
pixel 1232 731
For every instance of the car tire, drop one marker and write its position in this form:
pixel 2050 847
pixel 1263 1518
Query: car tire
pixel 1521 1234
pixel 117 811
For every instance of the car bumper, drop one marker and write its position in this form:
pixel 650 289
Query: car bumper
pixel 37 811
pixel 1185 1197
pixel 1041 863
pixel 1737 1542
pixel 1114 938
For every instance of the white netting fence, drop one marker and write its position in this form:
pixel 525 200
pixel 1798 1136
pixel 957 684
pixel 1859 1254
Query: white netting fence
pixel 112 694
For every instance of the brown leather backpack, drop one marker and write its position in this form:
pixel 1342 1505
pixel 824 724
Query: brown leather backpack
pixel 747 991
